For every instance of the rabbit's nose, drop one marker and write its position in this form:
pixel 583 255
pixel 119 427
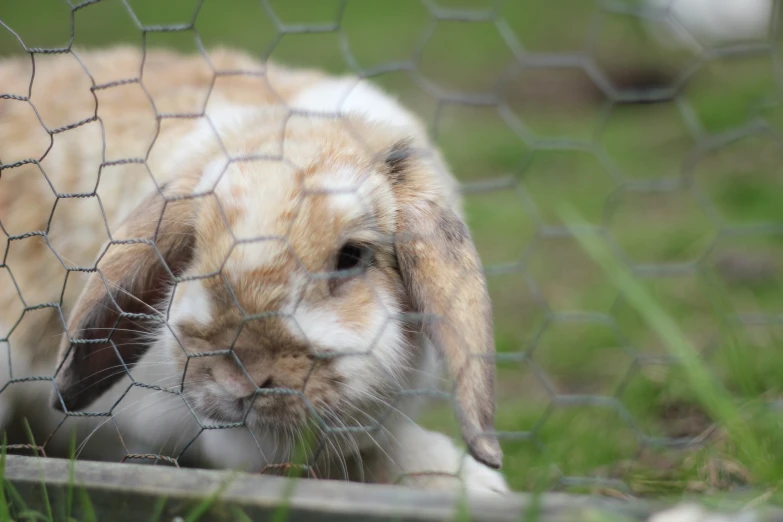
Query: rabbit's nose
pixel 234 383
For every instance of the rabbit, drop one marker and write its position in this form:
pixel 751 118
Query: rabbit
pixel 691 25
pixel 272 255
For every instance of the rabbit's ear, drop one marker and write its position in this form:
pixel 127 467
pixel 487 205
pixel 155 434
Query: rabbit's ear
pixel 445 282
pixel 109 327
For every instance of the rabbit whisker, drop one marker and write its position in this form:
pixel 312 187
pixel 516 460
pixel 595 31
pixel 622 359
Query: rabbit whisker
pixel 375 397
pixel 329 438
pixel 154 310
pixel 103 423
pixel 258 445
pixel 388 433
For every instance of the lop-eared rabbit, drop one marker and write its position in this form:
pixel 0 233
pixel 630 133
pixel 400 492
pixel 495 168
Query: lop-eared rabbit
pixel 239 251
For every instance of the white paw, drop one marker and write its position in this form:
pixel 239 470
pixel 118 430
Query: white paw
pixel 478 478
pixel 430 460
pixel 696 513
pixel 473 479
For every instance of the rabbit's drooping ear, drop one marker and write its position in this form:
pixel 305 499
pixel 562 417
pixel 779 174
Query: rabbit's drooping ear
pixel 445 282
pixel 110 322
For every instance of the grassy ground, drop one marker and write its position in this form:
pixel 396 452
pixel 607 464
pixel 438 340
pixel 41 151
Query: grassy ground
pixel 587 388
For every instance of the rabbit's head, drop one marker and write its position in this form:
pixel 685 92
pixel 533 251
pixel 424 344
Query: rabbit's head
pixel 289 271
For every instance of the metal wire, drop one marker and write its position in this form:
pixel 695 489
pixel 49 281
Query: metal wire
pixel 551 399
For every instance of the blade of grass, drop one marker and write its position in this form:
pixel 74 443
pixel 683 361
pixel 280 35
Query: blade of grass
pixel 202 507
pixel 16 499
pixel 71 477
pixel 86 503
pixel 464 513
pixel 84 497
pixel 713 396
pixel 5 512
pixel 281 513
pixel 157 512
pixel 533 511
pixel 239 515
pixel 44 492
pixel 298 461
pixel 33 515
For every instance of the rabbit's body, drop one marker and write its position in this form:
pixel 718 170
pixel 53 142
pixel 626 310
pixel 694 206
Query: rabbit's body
pixel 257 197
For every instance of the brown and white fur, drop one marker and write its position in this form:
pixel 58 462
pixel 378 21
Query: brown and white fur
pixel 224 289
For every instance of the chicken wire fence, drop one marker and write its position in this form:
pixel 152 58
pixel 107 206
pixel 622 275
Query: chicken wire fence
pixel 680 192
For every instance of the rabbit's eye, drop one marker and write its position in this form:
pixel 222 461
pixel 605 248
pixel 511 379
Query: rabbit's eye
pixel 351 257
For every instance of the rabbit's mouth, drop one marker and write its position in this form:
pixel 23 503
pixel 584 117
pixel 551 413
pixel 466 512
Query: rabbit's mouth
pixel 276 409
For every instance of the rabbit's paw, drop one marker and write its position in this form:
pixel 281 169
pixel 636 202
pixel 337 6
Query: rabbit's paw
pixel 430 460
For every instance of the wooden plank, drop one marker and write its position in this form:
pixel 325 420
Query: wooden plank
pixel 132 492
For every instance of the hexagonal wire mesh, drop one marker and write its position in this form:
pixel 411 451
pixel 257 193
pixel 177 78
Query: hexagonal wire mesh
pixel 674 173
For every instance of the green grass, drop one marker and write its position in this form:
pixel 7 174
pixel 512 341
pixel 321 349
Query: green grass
pixel 707 389
pixel 632 320
pixel 52 507
pixel 15 508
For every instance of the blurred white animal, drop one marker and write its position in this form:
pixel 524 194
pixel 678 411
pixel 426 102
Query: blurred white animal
pixel 706 23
